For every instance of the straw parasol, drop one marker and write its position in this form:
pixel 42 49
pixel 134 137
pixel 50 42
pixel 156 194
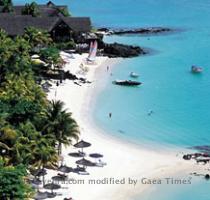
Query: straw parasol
pixel 41 195
pixel 52 186
pixel 85 162
pixel 82 144
pixel 39 172
pixel 59 178
pixel 96 155
pixel 65 169
pixel 76 154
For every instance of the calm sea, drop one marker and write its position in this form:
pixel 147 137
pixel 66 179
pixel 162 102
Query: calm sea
pixel 180 101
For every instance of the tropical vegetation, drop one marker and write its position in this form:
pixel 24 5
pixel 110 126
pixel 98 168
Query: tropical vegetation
pixel 7 6
pixel 32 129
pixel 31 9
pixel 13 184
pixel 64 12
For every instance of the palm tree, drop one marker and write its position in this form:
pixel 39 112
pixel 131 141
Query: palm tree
pixel 31 9
pixel 60 124
pixel 37 38
pixel 7 5
pixel 44 155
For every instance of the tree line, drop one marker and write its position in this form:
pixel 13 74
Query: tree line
pixel 32 129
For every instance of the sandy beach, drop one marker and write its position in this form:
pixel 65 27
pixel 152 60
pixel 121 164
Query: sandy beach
pixel 124 161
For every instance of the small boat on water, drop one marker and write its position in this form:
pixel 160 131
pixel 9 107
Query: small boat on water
pixel 134 75
pixel 196 69
pixel 127 82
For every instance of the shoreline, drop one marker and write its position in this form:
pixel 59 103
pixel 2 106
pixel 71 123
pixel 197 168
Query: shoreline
pixel 124 159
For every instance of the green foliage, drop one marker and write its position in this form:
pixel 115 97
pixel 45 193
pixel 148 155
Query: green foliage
pixel 94 30
pixel 64 12
pixel 31 9
pixel 60 124
pixel 37 38
pixel 31 128
pixel 51 55
pixel 65 45
pixel 21 98
pixel 7 6
pixel 12 183
pixel 14 55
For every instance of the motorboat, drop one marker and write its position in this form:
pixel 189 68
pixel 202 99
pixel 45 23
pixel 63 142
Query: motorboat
pixel 196 69
pixel 127 82
pixel 134 75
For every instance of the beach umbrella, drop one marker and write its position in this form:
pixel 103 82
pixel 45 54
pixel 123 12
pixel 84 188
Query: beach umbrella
pixel 65 169
pixel 96 155
pixel 52 186
pixel 59 178
pixel 39 172
pixel 76 154
pixel 85 162
pixel 36 181
pixel 82 144
pixel 41 195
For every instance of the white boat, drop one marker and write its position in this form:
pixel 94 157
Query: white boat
pixel 195 69
pixel 127 82
pixel 134 75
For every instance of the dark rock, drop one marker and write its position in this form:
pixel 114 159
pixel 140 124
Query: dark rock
pixel 187 157
pixel 103 29
pixel 60 75
pixel 207 176
pixel 70 76
pixel 149 30
pixel 121 50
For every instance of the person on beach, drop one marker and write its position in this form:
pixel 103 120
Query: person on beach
pixel 110 115
pixel 107 68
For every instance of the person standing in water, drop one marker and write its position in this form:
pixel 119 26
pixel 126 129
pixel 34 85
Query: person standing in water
pixel 110 115
pixel 107 68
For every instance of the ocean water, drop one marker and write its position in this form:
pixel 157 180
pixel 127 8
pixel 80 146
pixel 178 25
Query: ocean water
pixel 197 190
pixel 180 101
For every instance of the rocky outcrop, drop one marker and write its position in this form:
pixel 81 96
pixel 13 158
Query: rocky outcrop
pixel 60 75
pixel 143 31
pixel 121 50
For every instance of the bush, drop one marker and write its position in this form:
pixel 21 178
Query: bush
pixel 64 12
pixel 65 45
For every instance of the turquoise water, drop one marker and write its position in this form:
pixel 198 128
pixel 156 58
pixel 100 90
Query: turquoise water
pixel 180 101
pixel 198 190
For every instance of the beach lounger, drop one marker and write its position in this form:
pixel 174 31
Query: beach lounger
pixel 83 173
pixel 101 162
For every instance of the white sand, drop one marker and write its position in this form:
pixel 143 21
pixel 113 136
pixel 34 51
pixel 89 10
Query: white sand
pixel 123 159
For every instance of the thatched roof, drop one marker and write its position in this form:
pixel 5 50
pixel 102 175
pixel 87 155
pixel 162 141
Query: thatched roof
pixel 81 24
pixel 15 23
